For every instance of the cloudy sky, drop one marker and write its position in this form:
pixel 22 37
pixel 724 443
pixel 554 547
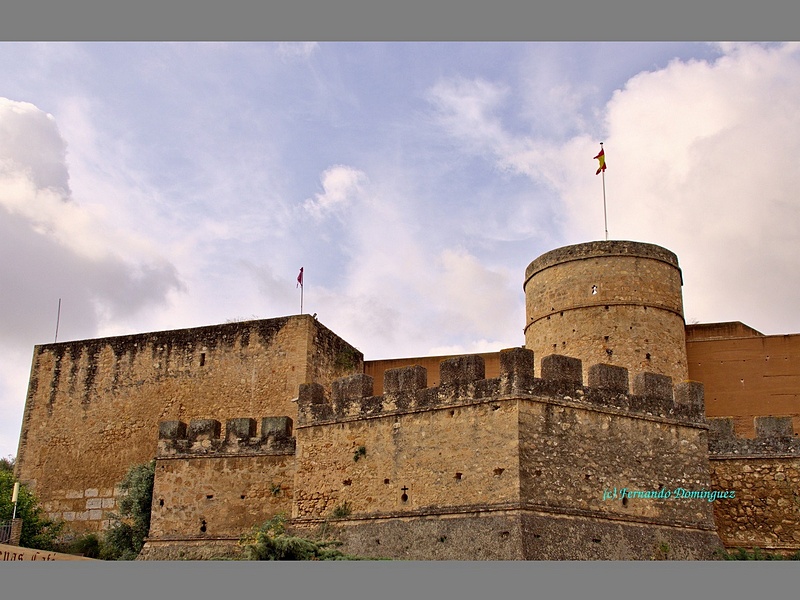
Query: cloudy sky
pixel 170 185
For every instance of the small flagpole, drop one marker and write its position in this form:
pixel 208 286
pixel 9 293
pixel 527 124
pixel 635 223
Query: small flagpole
pixel 300 283
pixel 602 169
pixel 58 319
pixel 605 215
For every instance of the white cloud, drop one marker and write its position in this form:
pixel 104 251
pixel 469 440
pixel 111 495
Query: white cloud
pixel 31 144
pixel 465 109
pixel 704 162
pixel 55 246
pixel 701 159
pixel 341 186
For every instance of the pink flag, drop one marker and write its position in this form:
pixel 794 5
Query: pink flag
pixel 300 278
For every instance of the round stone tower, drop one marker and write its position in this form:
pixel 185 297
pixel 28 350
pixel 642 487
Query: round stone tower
pixel 613 302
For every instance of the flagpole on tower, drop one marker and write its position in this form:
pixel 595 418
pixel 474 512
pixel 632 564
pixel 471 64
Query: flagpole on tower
pixel 58 320
pixel 605 214
pixel 601 156
pixel 300 283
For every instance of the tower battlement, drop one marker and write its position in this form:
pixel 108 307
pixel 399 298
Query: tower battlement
pixel 462 380
pixel 204 437
pixel 774 435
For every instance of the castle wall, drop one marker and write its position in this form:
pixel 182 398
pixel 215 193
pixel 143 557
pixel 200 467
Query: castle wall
pixel 614 302
pixel 746 377
pixel 601 454
pixel 93 406
pixel 413 451
pixel 508 467
pixel 601 468
pixel 764 474
pixel 209 486
pixel 484 456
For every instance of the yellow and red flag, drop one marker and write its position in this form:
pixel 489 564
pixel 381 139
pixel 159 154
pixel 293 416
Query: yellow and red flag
pixel 602 158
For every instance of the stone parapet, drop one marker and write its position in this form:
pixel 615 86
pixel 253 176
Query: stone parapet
pixel 774 435
pixel 600 249
pixel 204 436
pixel 462 380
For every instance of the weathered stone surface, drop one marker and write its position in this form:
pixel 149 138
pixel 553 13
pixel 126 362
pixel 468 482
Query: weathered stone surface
pixel 91 395
pixel 352 387
pixel 775 436
pixel 462 370
pixel 774 427
pixel 241 428
pixel 311 393
pixel 405 380
pixel 562 368
pixel 203 429
pixel 421 451
pixel 721 429
pixel 171 430
pixel 765 512
pixel 276 427
pixel 690 400
pixel 653 385
pixel 613 301
pixel 608 377
pixel 230 494
pixel 517 361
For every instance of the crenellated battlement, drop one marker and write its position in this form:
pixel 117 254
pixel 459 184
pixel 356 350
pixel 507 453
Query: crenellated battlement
pixel 463 379
pixel 204 437
pixel 774 435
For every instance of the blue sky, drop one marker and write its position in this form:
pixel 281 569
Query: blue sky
pixel 164 185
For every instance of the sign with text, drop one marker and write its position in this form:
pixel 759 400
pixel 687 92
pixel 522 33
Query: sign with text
pixel 17 553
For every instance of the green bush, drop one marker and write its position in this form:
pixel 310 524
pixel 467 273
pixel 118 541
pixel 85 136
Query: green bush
pixel 755 554
pixel 38 531
pixel 271 541
pixel 89 545
pixel 342 511
pixel 129 528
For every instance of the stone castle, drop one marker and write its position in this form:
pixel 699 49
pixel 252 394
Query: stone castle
pixel 615 432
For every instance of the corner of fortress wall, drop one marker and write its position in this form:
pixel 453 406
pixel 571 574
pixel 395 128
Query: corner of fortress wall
pixel 512 465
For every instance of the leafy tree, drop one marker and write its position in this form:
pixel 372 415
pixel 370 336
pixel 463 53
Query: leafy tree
pixel 7 464
pixel 125 538
pixel 271 541
pixel 37 530
pixel 89 545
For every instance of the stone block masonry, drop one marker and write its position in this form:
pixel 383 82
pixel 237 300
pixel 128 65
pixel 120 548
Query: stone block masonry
pixel 764 474
pixel 508 466
pixel 209 488
pixel 583 453
pixel 94 406
pixel 614 302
